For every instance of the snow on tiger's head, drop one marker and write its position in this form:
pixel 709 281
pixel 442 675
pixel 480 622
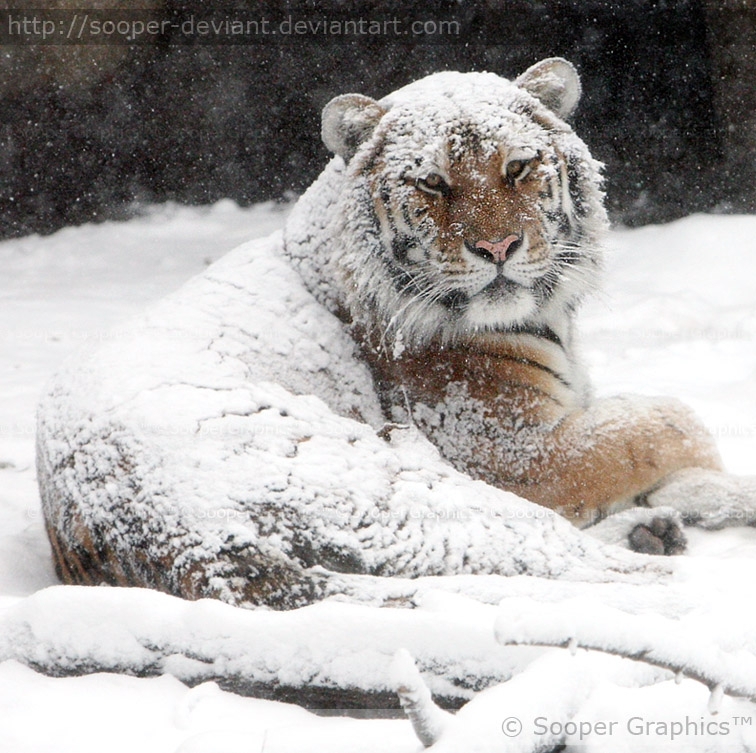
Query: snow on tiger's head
pixel 466 205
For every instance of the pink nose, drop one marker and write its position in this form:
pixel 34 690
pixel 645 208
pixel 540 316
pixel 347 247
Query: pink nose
pixel 500 249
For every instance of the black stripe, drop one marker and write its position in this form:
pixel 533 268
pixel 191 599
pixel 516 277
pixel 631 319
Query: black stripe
pixel 574 186
pixel 544 332
pixel 406 216
pixel 402 281
pixel 455 301
pixel 528 362
pixel 384 194
pixel 545 287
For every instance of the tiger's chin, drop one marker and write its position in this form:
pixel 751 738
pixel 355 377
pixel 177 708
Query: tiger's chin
pixel 487 314
pixel 422 327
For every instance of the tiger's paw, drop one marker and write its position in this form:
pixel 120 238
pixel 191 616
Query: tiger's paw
pixel 644 530
pixel 661 536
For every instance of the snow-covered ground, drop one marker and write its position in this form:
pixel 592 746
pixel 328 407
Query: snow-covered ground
pixel 677 316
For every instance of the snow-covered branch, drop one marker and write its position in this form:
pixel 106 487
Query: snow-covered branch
pixel 428 720
pixel 653 639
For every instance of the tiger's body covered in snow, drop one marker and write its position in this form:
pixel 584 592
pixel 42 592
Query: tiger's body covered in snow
pixel 429 278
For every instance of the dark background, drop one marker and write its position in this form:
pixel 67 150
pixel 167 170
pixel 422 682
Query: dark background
pixel 95 132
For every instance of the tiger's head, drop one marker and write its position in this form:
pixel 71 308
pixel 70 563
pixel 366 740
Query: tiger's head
pixel 467 205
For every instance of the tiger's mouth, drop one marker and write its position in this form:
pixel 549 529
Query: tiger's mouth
pixel 498 290
pixel 500 287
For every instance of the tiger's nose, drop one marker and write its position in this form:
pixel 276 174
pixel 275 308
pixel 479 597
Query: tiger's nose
pixel 497 251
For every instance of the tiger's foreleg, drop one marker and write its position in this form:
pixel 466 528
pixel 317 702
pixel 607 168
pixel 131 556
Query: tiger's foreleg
pixel 621 452
pixel 708 499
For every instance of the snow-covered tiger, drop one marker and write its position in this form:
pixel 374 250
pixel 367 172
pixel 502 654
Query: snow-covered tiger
pixel 440 256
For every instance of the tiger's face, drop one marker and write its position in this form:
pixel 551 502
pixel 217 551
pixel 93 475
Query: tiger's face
pixel 478 230
pixel 478 208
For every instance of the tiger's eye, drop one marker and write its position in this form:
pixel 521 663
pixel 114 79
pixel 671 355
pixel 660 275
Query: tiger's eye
pixel 433 183
pixel 518 168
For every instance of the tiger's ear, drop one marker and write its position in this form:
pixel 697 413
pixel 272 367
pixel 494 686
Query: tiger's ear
pixel 555 82
pixel 348 121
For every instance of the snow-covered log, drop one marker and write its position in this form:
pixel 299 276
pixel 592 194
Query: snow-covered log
pixel 338 654
pixel 328 655
pixel 331 654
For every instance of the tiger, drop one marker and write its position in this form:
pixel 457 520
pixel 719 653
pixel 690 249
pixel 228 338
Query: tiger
pixel 323 406
pixel 456 232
